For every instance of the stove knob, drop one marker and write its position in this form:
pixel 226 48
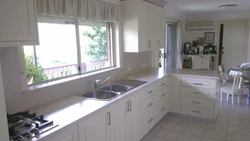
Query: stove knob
pixel 36 131
pixel 28 135
pixel 20 138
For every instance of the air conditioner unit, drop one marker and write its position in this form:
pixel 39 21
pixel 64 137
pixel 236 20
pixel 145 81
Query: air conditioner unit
pixel 206 25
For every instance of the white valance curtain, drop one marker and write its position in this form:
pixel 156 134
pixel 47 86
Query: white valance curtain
pixel 85 9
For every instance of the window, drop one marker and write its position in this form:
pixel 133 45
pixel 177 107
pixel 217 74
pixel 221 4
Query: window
pixel 95 49
pixel 60 53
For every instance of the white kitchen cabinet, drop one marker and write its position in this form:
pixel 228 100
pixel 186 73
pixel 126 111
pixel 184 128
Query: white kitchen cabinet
pixel 18 24
pixel 126 115
pixel 4 134
pixel 68 134
pixel 143 26
pixel 96 127
pixel 201 62
pixel 160 34
pixel 174 94
pixel 198 97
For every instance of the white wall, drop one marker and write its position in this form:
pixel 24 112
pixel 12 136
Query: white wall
pixel 16 100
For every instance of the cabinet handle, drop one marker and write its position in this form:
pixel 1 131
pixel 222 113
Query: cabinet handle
pixel 150 104
pixel 109 118
pixel 198 84
pixel 163 95
pixel 163 84
pixel 130 105
pixel 196 111
pixel 196 93
pixel 127 107
pixel 196 102
pixel 150 92
pixel 163 109
pixel 150 120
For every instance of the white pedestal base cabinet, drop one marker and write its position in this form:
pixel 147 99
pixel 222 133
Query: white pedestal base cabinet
pixel 194 96
pixel 132 117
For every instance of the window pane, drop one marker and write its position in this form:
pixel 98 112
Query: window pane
pixel 57 53
pixel 95 53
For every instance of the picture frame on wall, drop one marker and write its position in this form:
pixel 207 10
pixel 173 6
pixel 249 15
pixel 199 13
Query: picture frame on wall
pixel 200 41
pixel 209 37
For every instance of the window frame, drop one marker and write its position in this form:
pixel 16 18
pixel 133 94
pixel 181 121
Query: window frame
pixel 77 23
pixel 110 46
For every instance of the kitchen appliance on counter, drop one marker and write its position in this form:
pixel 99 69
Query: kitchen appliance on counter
pixel 24 126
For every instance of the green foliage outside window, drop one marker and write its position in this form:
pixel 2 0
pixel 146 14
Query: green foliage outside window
pixel 35 74
pixel 97 49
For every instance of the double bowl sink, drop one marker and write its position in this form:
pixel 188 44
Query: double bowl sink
pixel 111 91
pixel 108 92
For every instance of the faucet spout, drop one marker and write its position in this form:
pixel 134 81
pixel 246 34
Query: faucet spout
pixel 98 84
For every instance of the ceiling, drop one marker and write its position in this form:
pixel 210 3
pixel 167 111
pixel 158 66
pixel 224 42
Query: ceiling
pixel 205 7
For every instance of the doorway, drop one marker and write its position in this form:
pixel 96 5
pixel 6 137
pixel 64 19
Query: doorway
pixel 170 45
pixel 233 43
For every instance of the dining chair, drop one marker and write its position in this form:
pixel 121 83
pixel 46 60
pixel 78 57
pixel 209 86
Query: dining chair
pixel 234 89
pixel 223 76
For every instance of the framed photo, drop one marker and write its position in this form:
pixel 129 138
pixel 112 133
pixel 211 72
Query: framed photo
pixel 195 44
pixel 200 41
pixel 209 37
pixel 187 47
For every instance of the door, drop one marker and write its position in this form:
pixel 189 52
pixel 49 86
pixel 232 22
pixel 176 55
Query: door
pixel 4 134
pixel 170 45
pixel 18 21
pixel 69 134
pixel 96 127
pixel 234 43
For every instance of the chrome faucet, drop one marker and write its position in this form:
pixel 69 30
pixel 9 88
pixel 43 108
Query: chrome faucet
pixel 97 82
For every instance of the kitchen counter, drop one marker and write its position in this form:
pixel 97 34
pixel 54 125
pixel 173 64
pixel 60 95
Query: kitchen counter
pixel 71 109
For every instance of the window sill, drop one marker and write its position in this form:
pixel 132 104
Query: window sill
pixel 30 88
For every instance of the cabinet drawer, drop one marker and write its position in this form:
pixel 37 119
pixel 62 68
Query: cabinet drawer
pixel 198 92
pixel 148 104
pixel 161 110
pixel 161 96
pixel 154 88
pixel 198 112
pixel 198 83
pixel 197 102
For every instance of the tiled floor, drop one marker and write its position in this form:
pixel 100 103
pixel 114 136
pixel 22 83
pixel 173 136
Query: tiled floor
pixel 231 124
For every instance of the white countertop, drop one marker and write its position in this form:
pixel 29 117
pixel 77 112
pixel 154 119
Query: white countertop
pixel 71 109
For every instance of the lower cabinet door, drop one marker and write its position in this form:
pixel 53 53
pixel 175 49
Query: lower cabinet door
pixel 133 119
pixel 95 128
pixel 69 134
pixel 126 117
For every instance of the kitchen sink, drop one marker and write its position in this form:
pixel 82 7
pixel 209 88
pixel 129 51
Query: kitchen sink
pixel 117 88
pixel 101 95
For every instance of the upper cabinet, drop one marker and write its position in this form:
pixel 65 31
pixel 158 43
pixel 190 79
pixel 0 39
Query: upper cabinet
pixel 143 26
pixel 18 24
